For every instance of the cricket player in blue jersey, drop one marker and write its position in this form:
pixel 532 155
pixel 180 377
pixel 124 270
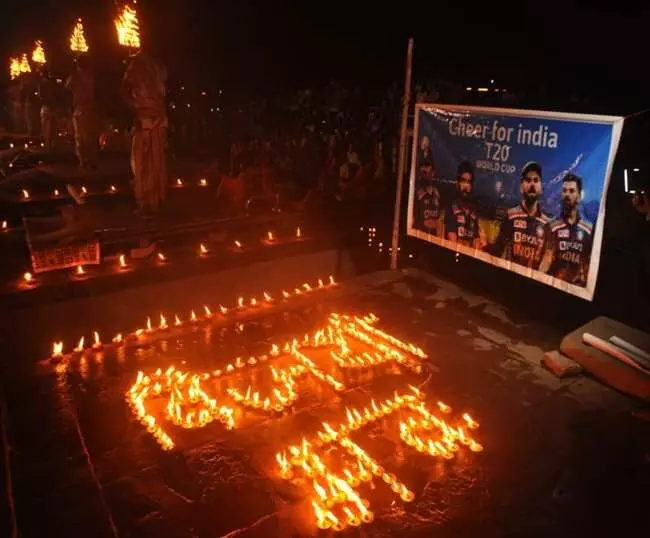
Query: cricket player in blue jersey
pixel 571 236
pixel 525 233
pixel 427 201
pixel 461 223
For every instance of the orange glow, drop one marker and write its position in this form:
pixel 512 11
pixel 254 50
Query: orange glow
pixel 26 195
pixel 56 193
pixel 179 182
pixel 270 237
pixel 237 244
pixel 112 189
pixel 84 190
pixel 203 182
pixel 14 68
pixel 80 270
pixel 78 39
pixel 202 250
pixel 128 28
pixel 298 232
pixel 38 54
pixel 122 261
pixel 24 64
pixel 161 257
pixel 27 277
pixel 57 349
pixel 4 224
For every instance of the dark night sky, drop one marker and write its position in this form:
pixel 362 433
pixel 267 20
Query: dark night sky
pixel 261 46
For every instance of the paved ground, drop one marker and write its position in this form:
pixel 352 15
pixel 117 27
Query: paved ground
pixel 561 458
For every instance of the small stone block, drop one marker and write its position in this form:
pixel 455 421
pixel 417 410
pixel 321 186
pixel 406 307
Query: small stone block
pixel 560 365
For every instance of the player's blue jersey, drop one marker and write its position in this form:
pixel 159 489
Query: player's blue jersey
pixel 463 222
pixel 523 238
pixel 571 246
pixel 427 209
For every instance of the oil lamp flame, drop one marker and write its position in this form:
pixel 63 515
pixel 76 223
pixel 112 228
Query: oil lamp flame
pixel 26 195
pixel 24 64
pixel 237 244
pixel 14 68
pixel 203 182
pixel 57 349
pixel 80 270
pixel 298 232
pixel 38 54
pixel 27 277
pixel 122 260
pixel 161 257
pixel 128 28
pixel 202 249
pixel 270 237
pixel 78 38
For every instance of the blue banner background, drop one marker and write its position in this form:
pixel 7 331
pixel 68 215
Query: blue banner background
pixel 587 144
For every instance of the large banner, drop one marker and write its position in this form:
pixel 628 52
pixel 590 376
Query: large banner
pixel 523 190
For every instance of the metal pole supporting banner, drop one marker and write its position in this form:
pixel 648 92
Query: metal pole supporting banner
pixel 403 141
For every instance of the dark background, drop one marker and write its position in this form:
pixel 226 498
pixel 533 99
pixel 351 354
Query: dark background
pixel 259 48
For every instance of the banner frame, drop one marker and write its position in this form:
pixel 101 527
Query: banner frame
pixel 587 292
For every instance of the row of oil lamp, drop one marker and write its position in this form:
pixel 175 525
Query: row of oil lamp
pixel 81 272
pixel 334 499
pixel 26 195
pixel 165 326
pixel 283 394
pixel 372 233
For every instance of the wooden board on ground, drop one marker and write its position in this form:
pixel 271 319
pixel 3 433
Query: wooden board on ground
pixel 601 365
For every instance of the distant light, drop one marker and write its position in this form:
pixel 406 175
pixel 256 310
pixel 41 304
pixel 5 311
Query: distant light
pixel 189 106
pixel 203 93
pixel 491 81
pixel 483 89
pixel 469 88
pixel 635 170
pixel 625 181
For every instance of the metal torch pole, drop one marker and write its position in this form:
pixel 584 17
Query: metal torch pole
pixel 402 154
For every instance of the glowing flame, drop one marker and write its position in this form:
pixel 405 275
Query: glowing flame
pixel 203 182
pixel 267 297
pixel 270 236
pixel 14 68
pixel 27 277
pixel 223 310
pixel 202 250
pixel 97 341
pixel 80 345
pixel 38 54
pixel 179 182
pixel 112 188
pixel 163 322
pixel 237 244
pixel 177 321
pixel 161 257
pixel 24 64
pixel 84 190
pixel 4 224
pixel 122 260
pixel 57 349
pixel 56 193
pixel 80 270
pixel 118 339
pixel 128 28
pixel 26 195
pixel 78 39
pixel 240 302
pixel 298 232
pixel 207 311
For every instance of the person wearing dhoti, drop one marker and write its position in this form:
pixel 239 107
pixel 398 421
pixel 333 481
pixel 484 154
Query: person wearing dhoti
pixel 47 91
pixel 144 88
pixel 86 139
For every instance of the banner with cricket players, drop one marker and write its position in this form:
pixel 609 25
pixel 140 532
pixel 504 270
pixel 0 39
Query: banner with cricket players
pixel 522 190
